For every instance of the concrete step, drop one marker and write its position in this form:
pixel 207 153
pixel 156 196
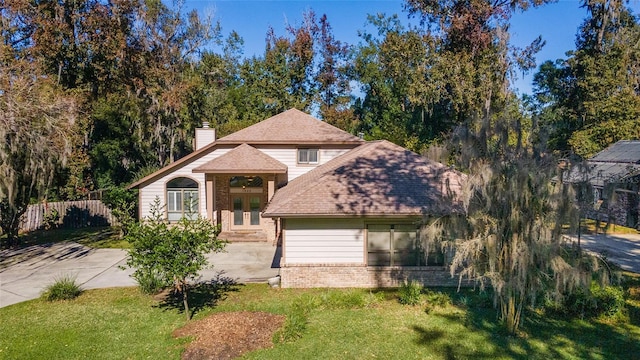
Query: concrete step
pixel 243 236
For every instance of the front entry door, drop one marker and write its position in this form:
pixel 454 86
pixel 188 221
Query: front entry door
pixel 246 211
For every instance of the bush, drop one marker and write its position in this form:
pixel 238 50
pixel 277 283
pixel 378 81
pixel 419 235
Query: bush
pixel 51 219
pixel 438 299
pixel 410 293
pixel 149 283
pixel 173 253
pixel 609 300
pixel 348 299
pixel 63 288
pixel 605 301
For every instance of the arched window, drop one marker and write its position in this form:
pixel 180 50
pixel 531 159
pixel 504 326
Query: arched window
pixel 182 199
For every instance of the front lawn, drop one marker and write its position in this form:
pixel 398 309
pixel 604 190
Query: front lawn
pixel 321 324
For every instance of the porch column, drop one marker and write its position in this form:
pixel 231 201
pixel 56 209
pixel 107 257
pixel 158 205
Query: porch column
pixel 271 188
pixel 210 194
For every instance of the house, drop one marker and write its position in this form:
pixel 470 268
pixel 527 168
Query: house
pixel 346 212
pixel 614 174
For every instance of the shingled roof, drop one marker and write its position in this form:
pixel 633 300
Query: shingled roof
pixel 243 159
pixel 617 162
pixel 293 127
pixel 623 151
pixel 375 179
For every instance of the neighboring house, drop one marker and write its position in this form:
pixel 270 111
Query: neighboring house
pixel 347 212
pixel 614 174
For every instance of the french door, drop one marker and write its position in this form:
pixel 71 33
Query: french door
pixel 246 211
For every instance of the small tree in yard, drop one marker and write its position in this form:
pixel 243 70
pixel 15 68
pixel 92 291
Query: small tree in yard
pixel 172 253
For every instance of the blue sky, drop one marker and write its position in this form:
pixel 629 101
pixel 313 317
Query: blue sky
pixel 557 23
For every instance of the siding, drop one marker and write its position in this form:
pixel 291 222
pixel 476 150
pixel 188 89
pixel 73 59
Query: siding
pixel 324 241
pixel 289 157
pixel 148 193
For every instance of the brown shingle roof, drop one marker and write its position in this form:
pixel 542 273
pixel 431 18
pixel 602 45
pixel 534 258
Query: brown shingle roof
pixel 375 179
pixel 243 159
pixel 292 127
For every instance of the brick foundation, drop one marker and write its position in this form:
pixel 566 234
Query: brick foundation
pixel 358 275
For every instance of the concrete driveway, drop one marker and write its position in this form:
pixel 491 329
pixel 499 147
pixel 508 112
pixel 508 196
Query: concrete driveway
pixel 622 249
pixel 24 273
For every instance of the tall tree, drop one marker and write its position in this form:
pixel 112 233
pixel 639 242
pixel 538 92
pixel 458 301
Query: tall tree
pixel 455 68
pixel 511 237
pixel 35 129
pixel 333 80
pixel 591 99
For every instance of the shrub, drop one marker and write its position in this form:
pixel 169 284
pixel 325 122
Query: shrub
pixel 343 299
pixel 373 298
pixel 410 292
pixel 63 288
pixel 174 253
pixel 149 282
pixel 438 299
pixel 605 301
pixel 50 219
pixel 609 300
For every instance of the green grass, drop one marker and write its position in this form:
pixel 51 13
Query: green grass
pixel 95 237
pixel 336 324
pixel 589 227
pixel 100 324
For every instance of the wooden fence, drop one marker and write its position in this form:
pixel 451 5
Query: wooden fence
pixel 70 214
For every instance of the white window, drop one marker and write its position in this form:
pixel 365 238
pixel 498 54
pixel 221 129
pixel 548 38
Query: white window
pixel 307 156
pixel 182 199
pixel 398 245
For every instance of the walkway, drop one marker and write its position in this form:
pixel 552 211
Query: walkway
pixel 24 273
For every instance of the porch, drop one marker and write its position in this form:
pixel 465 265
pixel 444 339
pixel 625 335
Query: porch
pixel 238 187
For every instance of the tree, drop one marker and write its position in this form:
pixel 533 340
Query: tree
pixel 36 131
pixel 420 83
pixel 171 253
pixel 590 100
pixel 510 238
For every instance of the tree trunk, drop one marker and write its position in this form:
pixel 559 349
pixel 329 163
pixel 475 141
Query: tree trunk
pixel 511 309
pixel 185 300
pixel 10 223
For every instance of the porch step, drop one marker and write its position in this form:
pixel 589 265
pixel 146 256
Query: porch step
pixel 243 236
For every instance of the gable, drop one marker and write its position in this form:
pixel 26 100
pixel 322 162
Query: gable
pixel 243 159
pixel 292 127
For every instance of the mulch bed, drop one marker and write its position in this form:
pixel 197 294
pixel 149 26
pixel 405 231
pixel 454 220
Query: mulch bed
pixel 229 335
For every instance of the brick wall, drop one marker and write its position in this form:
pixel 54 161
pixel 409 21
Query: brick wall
pixel 358 275
pixel 222 200
pixel 618 211
pixel 223 205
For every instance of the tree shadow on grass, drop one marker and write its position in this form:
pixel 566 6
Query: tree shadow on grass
pixel 541 335
pixel 481 327
pixel 202 294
